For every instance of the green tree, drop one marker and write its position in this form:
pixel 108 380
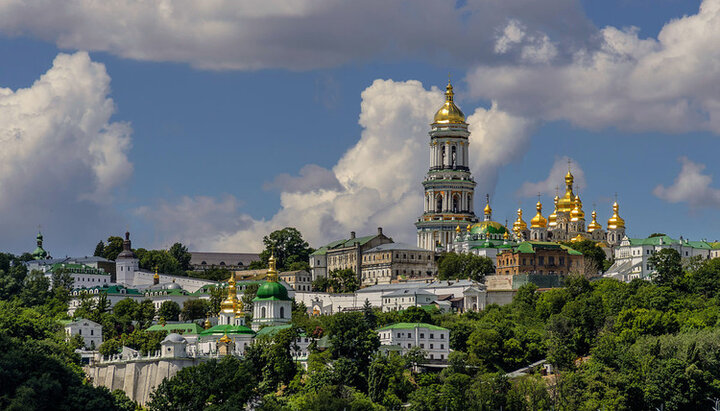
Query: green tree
pixel 388 382
pixel 351 338
pixel 36 289
pixel 99 249
pixel 248 295
pixel 169 310
pixel 229 383
pixel 12 279
pixel 180 253
pixel 161 259
pixel 113 247
pixel 343 281
pixel 288 247
pixel 464 266
pixel 667 264
pixel 194 309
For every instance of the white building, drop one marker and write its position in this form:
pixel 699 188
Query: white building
pixel 631 256
pixel 404 299
pixel 299 280
pixel 90 331
pixel 113 294
pixel 386 263
pixel 434 340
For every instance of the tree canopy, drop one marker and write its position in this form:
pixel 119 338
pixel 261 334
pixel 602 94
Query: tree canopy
pixel 464 266
pixel 289 248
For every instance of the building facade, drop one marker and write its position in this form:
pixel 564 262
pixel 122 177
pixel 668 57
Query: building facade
pixel 631 256
pixel 389 262
pixel 543 258
pixel 90 331
pixel 344 254
pixel 449 186
pixel 272 305
pixel 299 280
pixel 434 340
pixel 406 298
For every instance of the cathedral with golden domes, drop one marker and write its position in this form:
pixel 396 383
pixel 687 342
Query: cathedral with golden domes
pixel 448 222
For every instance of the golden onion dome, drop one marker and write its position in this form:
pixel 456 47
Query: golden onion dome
pixel 207 324
pixel 538 221
pixel 577 212
pixel 225 339
pixel 594 225
pixel 506 235
pixel 567 202
pixel 230 303
pixel 519 225
pixel 487 210
pixel 552 218
pixel 577 238
pixel 449 113
pixel 615 221
pixel 457 229
pixel 468 227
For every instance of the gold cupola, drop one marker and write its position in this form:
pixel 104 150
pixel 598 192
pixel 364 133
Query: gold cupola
pixel 229 305
pixel 449 113
pixel 567 202
pixel 615 221
pixel 577 212
pixel 457 229
pixel 594 225
pixel 272 274
pixel 519 225
pixel 538 221
pixel 552 218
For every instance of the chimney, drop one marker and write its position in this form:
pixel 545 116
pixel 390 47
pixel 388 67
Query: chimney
pixel 379 230
pixel 352 235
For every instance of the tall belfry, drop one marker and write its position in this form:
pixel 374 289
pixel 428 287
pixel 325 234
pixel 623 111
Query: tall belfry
pixel 449 187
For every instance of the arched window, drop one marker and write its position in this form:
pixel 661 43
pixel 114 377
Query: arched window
pixel 262 313
pixel 469 202
pixel 438 207
pixel 456 203
pixel 282 312
pixel 443 155
pixel 454 156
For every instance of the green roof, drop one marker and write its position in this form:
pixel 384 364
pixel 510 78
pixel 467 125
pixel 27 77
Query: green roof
pixel 272 329
pixel 320 251
pixel 343 243
pixel 183 328
pixel 667 240
pixel 405 326
pixel 529 247
pixel 272 291
pixel 228 329
pixel 111 289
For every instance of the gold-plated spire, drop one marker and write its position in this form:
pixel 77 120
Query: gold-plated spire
pixel 487 210
pixel 519 225
pixel 229 305
pixel 567 202
pixel 594 225
pixel 577 212
pixel 469 226
pixel 552 218
pixel 449 112
pixel 207 323
pixel 615 221
pixel 457 229
pixel 272 274
pixel 538 221
pixel 225 338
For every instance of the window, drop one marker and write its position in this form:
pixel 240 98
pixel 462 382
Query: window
pixel 442 346
pixel 432 336
pixel 422 335
pixel 398 335
pixel 91 332
pixel 541 260
pixel 442 336
pixel 282 312
pixel 562 260
pixel 80 332
pixel 551 260
pixel 422 345
pixel 262 313
pixel 431 346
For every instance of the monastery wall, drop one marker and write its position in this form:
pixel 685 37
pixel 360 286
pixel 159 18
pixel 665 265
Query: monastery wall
pixel 137 378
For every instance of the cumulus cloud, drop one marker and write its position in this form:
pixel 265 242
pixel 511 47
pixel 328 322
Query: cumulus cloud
pixel 379 177
pixel 61 157
pixel 555 181
pixel 670 83
pixel 296 35
pixel 312 177
pixel 690 186
pixel 536 48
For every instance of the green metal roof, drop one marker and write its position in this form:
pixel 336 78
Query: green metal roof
pixel 272 329
pixel 406 326
pixel 667 240
pixel 228 329
pixel 111 289
pixel 320 251
pixel 183 328
pixel 272 291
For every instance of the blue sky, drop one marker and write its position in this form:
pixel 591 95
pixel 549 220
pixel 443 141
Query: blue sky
pixel 213 127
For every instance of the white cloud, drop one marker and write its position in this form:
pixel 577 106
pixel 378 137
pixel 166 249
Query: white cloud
pixel 690 186
pixel 61 157
pixel 668 84
pixel 295 34
pixel 555 181
pixel 537 48
pixel 512 34
pixel 379 178
pixel 312 177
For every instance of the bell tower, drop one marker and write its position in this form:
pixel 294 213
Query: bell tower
pixel 449 187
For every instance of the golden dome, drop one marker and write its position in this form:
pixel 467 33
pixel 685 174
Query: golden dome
pixel 207 323
pixel 594 225
pixel 457 229
pixel 449 113
pixel 615 221
pixel 578 237
pixel 567 202
pixel 230 303
pixel 225 338
pixel 538 221
pixel 506 235
pixel 577 212
pixel 468 228
pixel 552 218
pixel 519 225
pixel 487 209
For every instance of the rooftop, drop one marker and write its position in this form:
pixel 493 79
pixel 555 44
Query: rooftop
pixel 410 326
pixel 221 259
